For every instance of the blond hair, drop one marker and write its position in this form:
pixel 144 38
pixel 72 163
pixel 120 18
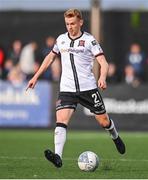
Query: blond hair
pixel 73 13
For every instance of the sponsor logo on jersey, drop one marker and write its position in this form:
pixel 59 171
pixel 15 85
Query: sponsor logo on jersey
pixel 72 50
pixel 81 43
pixel 98 104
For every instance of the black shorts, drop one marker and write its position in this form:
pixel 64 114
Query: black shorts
pixel 90 99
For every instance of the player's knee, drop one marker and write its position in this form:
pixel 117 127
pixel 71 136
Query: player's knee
pixel 64 115
pixel 104 123
pixel 61 117
pixel 103 120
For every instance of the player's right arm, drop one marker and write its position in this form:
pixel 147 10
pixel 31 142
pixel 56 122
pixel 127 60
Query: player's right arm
pixel 45 64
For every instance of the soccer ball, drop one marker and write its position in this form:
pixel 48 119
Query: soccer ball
pixel 88 161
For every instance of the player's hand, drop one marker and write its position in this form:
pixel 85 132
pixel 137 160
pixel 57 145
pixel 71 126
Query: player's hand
pixel 102 83
pixel 31 84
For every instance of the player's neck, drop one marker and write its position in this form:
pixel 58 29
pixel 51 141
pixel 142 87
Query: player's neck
pixel 79 34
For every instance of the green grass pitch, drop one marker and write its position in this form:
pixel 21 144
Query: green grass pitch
pixel 21 155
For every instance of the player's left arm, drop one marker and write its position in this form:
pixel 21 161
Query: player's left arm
pixel 103 72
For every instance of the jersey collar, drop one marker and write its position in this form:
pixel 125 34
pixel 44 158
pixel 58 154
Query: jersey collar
pixel 77 37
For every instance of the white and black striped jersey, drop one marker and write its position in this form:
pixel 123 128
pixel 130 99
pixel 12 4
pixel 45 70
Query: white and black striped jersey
pixel 77 56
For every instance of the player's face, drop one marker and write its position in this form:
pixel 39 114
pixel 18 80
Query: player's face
pixel 73 25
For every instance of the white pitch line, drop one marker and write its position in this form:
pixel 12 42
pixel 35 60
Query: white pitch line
pixel 71 159
pixel 126 160
pixel 19 158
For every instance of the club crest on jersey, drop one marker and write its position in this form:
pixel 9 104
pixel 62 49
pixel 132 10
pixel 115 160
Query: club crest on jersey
pixel 94 42
pixel 81 43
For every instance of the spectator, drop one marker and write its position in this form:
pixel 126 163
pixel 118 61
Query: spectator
pixel 27 61
pixel 112 76
pixel 15 52
pixel 53 72
pixel 15 76
pixel 8 66
pixel 130 77
pixel 49 43
pixel 136 58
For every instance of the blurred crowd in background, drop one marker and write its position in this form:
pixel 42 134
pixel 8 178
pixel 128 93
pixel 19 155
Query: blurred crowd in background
pixel 123 35
pixel 19 62
pixel 135 66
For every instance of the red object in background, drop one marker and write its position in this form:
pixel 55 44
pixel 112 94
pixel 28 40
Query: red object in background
pixel 1 57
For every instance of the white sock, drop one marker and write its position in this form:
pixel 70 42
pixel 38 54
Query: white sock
pixel 112 130
pixel 59 140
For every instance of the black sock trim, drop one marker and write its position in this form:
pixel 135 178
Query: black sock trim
pixel 61 125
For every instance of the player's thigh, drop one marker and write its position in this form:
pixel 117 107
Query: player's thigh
pixel 92 100
pixel 64 115
pixel 65 106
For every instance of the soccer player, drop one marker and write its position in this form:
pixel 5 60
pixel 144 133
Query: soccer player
pixel 78 49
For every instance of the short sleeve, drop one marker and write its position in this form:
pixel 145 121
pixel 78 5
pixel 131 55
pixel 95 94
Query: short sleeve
pixel 55 48
pixel 95 47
